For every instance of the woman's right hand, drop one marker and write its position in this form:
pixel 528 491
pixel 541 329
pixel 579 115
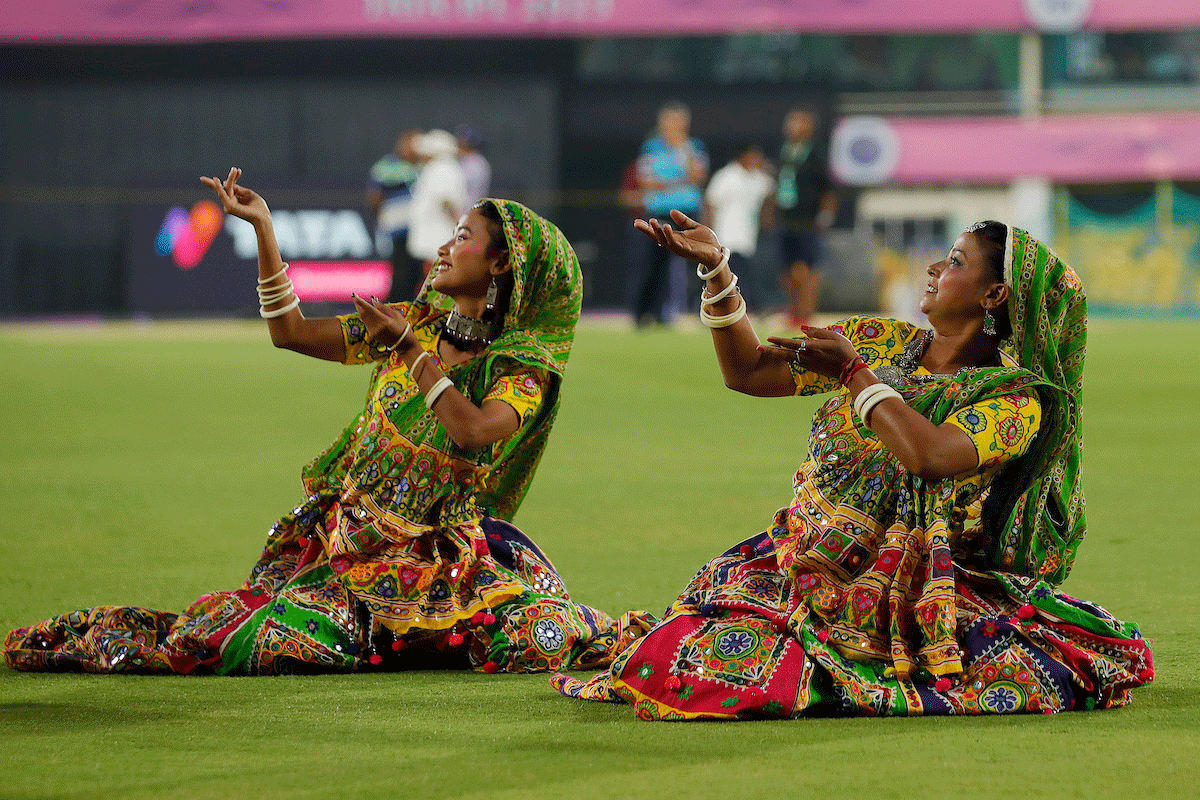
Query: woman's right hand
pixel 385 324
pixel 693 241
pixel 238 200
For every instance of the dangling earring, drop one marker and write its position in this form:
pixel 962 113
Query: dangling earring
pixel 989 323
pixel 489 299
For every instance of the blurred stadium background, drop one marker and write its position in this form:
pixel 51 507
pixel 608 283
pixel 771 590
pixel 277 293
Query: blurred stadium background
pixel 1078 119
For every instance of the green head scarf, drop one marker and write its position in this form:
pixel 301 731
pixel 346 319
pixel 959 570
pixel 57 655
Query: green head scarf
pixel 1036 511
pixel 538 329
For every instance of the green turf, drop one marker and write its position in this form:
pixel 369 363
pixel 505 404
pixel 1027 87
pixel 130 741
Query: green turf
pixel 143 465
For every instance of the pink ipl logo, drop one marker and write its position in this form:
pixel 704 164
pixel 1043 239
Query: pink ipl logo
pixel 186 237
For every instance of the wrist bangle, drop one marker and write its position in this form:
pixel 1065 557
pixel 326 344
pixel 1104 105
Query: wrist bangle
pixel 875 400
pixel 851 366
pixel 724 261
pixel 706 300
pixel 872 396
pixel 723 322
pixel 392 347
pixel 264 281
pixel 279 312
pixel 866 394
pixel 412 370
pixel 436 390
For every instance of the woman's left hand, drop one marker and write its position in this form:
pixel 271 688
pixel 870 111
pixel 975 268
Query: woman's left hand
pixel 385 324
pixel 820 350
pixel 693 241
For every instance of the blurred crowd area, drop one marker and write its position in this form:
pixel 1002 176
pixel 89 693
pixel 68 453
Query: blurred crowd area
pixel 101 143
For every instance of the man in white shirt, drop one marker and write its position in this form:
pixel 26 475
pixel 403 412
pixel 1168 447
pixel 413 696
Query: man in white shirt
pixel 439 196
pixel 474 163
pixel 735 201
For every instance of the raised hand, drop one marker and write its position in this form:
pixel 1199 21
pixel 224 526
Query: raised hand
pixel 385 324
pixel 238 200
pixel 689 238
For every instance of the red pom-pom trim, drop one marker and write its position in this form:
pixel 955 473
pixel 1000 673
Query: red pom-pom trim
pixel 302 541
pixel 491 667
pixel 822 636
pixel 489 619
pixel 942 685
pixel 747 552
pixel 477 619
pixel 376 659
pixel 1146 675
pixel 454 639
pixel 1025 611
pixel 673 683
pixel 399 645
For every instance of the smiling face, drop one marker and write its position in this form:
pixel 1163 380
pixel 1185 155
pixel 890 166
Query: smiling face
pixel 962 286
pixel 465 264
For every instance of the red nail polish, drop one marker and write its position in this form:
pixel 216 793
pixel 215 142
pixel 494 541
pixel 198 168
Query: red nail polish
pixel 805 328
pixel 760 349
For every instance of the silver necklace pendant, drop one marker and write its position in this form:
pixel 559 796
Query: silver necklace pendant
pixel 900 373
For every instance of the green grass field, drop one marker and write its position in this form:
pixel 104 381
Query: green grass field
pixel 143 466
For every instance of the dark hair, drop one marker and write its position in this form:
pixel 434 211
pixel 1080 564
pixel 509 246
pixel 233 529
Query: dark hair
pixel 497 245
pixel 993 239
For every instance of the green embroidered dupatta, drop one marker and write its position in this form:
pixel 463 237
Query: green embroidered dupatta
pixel 1034 515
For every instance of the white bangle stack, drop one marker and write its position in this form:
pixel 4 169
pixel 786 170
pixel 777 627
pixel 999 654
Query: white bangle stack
pixel 274 294
pixel 436 391
pixel 712 274
pixel 722 322
pixel 708 300
pixel 872 396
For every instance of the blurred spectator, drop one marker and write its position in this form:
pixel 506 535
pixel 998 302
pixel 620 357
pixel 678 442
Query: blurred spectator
pixel 476 167
pixel 438 197
pixel 389 194
pixel 671 170
pixel 738 198
pixel 807 205
pixel 630 197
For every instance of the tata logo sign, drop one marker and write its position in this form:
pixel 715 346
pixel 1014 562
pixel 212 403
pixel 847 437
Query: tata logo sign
pixel 185 235
pixel 307 234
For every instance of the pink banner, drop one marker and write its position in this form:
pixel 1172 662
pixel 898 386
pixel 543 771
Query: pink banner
pixel 995 150
pixel 80 21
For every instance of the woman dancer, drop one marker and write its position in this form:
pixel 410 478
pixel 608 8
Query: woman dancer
pixel 938 508
pixel 400 556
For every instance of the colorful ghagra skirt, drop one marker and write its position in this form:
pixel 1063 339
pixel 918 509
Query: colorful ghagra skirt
pixel 738 643
pixel 301 613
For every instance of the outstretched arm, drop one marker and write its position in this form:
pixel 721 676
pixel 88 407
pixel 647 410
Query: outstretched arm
pixel 746 367
pixel 320 337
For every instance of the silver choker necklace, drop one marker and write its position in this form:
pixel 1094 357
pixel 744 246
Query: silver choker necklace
pixel 463 331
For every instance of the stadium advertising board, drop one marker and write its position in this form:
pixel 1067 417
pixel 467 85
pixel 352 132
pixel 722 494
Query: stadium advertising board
pixel 1091 148
pixel 194 259
pixel 185 21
